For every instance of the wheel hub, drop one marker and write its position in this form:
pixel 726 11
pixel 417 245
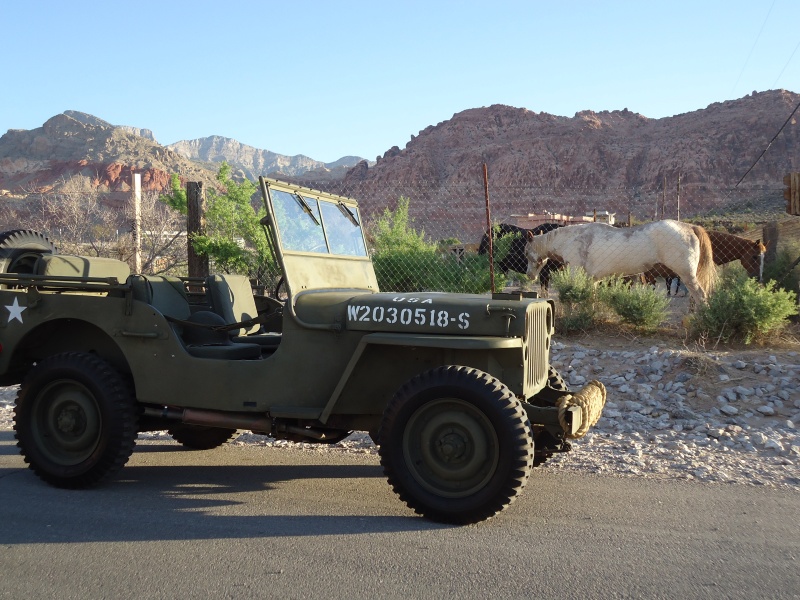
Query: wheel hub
pixel 71 421
pixel 452 447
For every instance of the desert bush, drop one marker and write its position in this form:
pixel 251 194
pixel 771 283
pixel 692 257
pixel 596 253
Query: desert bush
pixel 741 309
pixel 405 261
pixel 577 298
pixel 640 305
pixel 778 268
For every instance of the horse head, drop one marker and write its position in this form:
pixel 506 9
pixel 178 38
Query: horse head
pixel 536 257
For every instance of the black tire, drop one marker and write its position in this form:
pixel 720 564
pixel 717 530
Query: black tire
pixel 20 248
pixel 75 420
pixel 456 445
pixel 543 439
pixel 555 381
pixel 200 437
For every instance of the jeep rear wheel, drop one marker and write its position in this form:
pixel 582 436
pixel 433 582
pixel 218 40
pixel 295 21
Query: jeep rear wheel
pixel 21 248
pixel 75 420
pixel 200 437
pixel 456 445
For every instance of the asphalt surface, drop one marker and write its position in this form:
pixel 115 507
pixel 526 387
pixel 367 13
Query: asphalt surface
pixel 255 522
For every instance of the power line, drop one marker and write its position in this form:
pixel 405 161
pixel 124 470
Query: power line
pixel 753 48
pixel 786 65
pixel 768 145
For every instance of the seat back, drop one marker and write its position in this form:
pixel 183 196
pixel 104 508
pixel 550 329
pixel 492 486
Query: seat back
pixel 65 265
pixel 166 294
pixel 232 298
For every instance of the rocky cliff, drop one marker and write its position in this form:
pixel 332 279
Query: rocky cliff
pixel 593 153
pixel 252 162
pixel 40 159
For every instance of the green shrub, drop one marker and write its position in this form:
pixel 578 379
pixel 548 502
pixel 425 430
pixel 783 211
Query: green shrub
pixel 778 268
pixel 574 286
pixel 405 261
pixel 639 305
pixel 576 293
pixel 742 309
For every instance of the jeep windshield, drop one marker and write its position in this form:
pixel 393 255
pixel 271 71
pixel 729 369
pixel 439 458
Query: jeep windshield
pixel 317 225
pixel 318 239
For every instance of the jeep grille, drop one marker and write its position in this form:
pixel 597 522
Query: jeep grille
pixel 538 329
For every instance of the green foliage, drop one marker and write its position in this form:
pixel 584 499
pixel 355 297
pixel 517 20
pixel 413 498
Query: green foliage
pixel 574 286
pixel 176 199
pixel 577 296
pixel 639 305
pixel 778 268
pixel 405 261
pixel 741 309
pixel 234 238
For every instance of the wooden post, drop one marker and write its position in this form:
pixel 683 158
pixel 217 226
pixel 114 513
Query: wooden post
pixel 679 196
pixel 663 198
pixel 195 224
pixel 771 237
pixel 489 225
pixel 136 188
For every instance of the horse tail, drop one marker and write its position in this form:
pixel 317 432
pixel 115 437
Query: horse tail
pixel 706 271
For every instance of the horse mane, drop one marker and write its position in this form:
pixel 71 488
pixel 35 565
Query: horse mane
pixel 706 271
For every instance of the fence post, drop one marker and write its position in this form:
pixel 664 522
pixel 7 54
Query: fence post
pixel 195 224
pixel 771 236
pixel 489 225
pixel 136 188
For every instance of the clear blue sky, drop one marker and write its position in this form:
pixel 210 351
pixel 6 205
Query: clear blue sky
pixel 328 79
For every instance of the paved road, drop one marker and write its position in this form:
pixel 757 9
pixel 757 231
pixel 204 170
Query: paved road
pixel 247 522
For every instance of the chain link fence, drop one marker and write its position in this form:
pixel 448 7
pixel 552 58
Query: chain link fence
pixel 426 237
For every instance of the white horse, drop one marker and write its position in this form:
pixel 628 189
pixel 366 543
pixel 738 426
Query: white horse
pixel 603 250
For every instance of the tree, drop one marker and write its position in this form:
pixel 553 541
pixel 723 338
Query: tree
pixel 234 240
pixel 81 220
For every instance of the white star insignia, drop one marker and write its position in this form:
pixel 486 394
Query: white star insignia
pixel 15 311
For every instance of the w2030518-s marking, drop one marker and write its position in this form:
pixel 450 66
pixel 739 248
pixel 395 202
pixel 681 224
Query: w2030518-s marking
pixel 392 315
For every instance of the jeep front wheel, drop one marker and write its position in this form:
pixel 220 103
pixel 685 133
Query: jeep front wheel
pixel 456 445
pixel 75 420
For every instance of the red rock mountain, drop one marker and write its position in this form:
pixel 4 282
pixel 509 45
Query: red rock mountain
pixel 596 155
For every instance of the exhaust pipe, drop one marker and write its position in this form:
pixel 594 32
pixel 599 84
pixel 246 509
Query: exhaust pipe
pixel 231 420
pixel 211 418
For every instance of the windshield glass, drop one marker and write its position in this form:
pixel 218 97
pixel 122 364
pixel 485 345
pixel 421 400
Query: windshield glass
pixel 320 226
pixel 299 223
pixel 341 226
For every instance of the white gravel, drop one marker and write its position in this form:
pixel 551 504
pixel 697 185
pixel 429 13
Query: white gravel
pixel 707 416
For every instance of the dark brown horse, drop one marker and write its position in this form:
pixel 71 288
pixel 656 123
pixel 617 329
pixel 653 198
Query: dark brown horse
pixel 726 248
pixel 515 259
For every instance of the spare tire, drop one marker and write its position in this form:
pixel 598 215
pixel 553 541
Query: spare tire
pixel 20 248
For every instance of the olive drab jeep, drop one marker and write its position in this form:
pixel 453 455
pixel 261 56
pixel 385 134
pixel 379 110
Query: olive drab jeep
pixel 455 389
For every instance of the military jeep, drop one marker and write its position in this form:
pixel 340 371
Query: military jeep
pixel 455 389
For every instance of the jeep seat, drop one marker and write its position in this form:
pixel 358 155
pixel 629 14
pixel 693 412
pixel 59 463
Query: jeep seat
pixel 64 265
pixel 168 296
pixel 232 298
